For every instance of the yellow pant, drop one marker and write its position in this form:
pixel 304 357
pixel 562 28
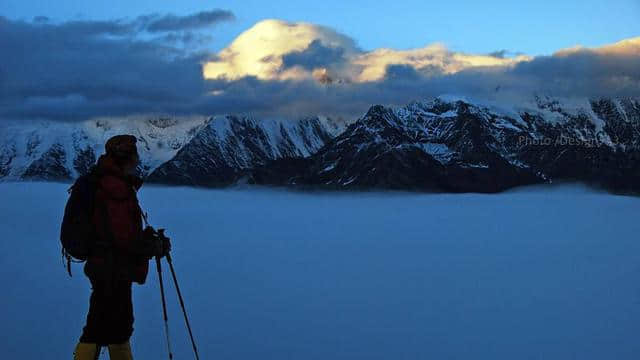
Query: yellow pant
pixel 87 351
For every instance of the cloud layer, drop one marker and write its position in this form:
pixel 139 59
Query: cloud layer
pixel 278 50
pixel 79 69
pixel 203 19
pixel 158 64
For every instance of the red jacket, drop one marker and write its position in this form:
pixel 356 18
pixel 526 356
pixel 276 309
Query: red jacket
pixel 118 221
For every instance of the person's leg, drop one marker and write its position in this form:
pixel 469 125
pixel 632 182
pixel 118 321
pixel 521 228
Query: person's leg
pixel 98 315
pixel 120 351
pixel 88 347
pixel 121 326
pixel 86 351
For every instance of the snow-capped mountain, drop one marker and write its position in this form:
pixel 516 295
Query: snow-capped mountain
pixel 45 150
pixel 195 150
pixel 444 144
pixel 453 144
pixel 229 146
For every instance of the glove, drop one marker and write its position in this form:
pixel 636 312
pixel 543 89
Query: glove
pixel 163 244
pixel 148 243
pixel 155 242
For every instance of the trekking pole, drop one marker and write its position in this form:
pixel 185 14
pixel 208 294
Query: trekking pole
pixel 184 311
pixel 164 307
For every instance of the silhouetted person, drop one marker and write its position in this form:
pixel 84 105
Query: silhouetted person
pixel 119 255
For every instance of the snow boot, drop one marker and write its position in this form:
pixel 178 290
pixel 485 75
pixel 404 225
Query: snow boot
pixel 86 351
pixel 120 351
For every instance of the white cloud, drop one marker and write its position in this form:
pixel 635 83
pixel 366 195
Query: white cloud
pixel 432 57
pixel 260 52
pixel 627 47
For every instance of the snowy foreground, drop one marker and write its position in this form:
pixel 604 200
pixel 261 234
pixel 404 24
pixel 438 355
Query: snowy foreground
pixel 530 274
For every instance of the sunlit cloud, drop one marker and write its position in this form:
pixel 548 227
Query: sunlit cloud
pixel 262 51
pixel 627 47
pixel 259 51
pixel 427 60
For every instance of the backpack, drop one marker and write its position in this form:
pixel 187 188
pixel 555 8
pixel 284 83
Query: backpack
pixel 77 230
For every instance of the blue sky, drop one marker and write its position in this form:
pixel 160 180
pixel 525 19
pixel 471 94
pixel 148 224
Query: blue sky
pixel 532 27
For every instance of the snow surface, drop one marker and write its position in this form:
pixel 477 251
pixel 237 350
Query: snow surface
pixel 535 274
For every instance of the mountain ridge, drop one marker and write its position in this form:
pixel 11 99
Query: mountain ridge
pixel 453 145
pixel 448 143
